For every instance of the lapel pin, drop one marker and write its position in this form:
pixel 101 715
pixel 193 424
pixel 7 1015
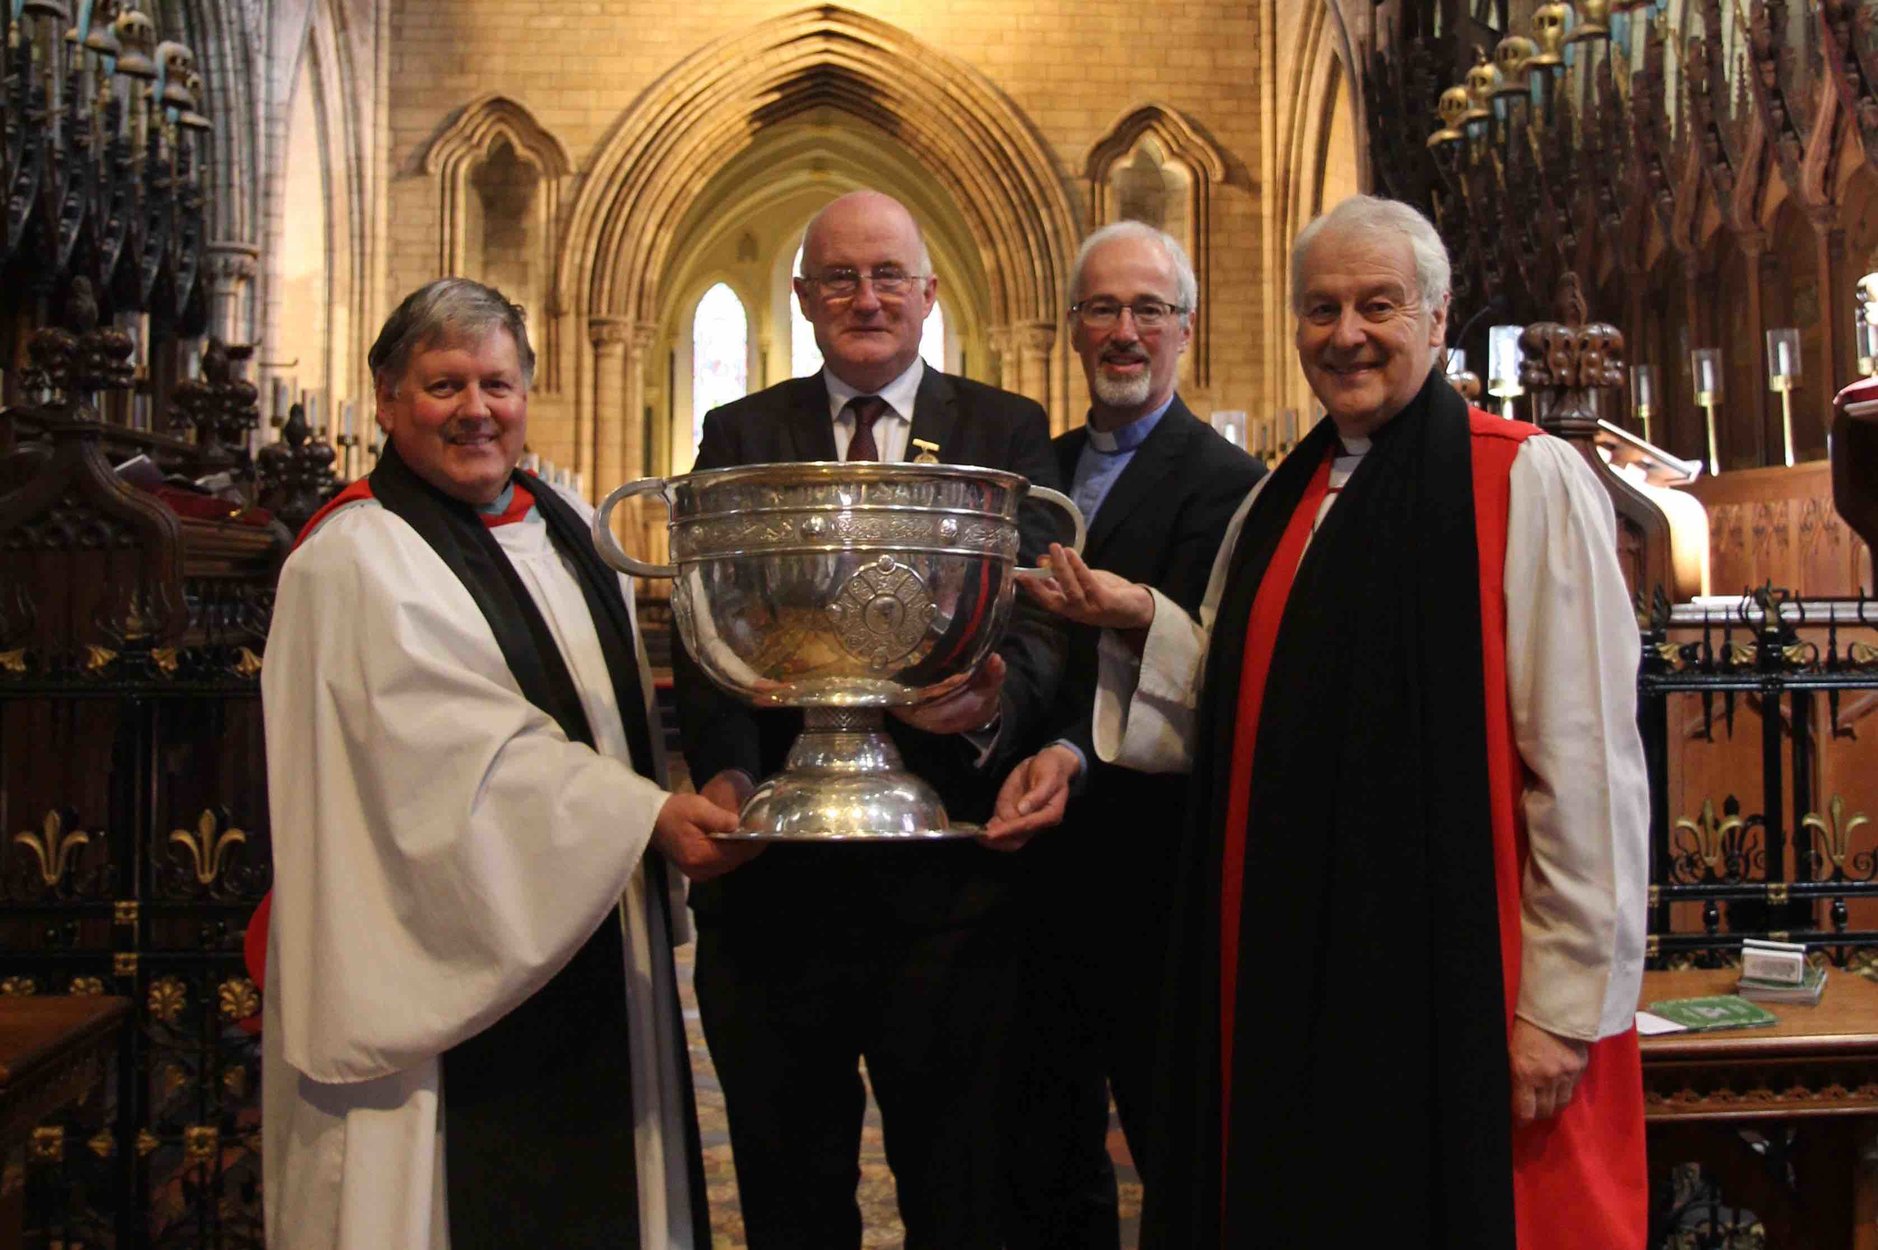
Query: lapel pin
pixel 928 452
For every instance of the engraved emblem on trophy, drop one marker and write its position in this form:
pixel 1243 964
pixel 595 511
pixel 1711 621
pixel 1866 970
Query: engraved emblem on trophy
pixel 842 589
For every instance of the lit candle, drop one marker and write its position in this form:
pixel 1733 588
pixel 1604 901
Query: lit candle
pixel 1708 382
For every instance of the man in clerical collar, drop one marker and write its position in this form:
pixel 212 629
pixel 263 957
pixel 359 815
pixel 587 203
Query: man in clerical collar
pixel 812 958
pixel 472 1035
pixel 1157 486
pixel 1413 865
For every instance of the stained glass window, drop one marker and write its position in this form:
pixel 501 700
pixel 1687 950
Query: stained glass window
pixel 720 354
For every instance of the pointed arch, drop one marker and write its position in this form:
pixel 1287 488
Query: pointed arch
pixel 708 108
pixel 492 129
pixel 1183 143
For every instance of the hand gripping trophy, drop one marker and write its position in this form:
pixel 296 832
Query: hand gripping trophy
pixel 842 589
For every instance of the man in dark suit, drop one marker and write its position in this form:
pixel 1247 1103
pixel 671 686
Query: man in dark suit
pixel 814 957
pixel 1158 487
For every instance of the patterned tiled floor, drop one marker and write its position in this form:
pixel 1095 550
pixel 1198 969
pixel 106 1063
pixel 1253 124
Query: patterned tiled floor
pixel 880 1219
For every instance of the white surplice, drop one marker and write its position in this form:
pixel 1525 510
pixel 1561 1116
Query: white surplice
pixel 441 849
pixel 1571 664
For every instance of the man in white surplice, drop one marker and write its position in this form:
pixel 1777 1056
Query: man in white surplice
pixel 470 834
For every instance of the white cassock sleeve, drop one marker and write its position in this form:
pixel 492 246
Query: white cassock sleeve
pixel 1146 705
pixel 1571 665
pixel 1572 651
pixel 441 848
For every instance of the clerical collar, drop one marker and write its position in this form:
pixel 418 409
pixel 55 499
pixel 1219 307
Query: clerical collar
pixel 1354 446
pixel 1130 436
pixel 500 504
pixel 510 506
pixel 898 393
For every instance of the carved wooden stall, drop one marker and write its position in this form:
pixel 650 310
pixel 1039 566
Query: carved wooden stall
pixel 1703 172
pixel 136 581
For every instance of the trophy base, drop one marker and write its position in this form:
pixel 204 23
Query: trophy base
pixel 844 782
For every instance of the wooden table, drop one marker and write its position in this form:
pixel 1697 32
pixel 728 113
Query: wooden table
pixel 53 1051
pixel 1815 1072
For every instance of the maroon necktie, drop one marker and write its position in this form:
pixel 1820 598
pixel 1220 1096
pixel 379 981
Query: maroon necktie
pixel 866 410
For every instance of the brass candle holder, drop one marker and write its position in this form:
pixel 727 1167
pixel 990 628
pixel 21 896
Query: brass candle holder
pixel 1783 374
pixel 1644 385
pixel 1705 365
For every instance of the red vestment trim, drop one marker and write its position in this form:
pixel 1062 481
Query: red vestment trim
pixel 1580 1179
pixel 1261 634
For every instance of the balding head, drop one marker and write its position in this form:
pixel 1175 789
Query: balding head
pixel 866 287
pixel 874 209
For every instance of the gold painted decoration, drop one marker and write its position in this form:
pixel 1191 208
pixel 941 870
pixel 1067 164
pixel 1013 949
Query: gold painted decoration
pixel 1835 830
pixel 103 1144
pixel 146 1142
pixel 53 846
pixel 235 1081
pixel 1594 21
pixel 201 1142
pixel 48 1144
pixel 1711 834
pixel 18 987
pixel 125 911
pixel 1548 27
pixel 239 999
pixel 1483 80
pixel 13 661
pixel 167 998
pixel 1510 55
pixel 1451 109
pixel 165 659
pixel 124 964
pixel 208 846
pixel 86 987
pixel 98 658
pixel 247 663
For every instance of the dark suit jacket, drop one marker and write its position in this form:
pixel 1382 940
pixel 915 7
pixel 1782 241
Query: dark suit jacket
pixel 1161 524
pixel 937 883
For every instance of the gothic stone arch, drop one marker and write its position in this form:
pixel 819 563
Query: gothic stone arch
pixel 707 108
pixel 1203 163
pixel 453 157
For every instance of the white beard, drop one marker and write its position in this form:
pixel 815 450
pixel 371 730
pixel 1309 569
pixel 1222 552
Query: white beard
pixel 1113 392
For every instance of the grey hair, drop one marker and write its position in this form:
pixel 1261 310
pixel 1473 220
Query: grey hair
pixel 1366 213
pixel 919 235
pixel 444 311
pixel 1186 286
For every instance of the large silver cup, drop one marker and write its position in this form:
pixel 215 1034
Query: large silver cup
pixel 841 589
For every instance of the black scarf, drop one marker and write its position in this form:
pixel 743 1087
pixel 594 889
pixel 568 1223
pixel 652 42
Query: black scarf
pixel 1369 1017
pixel 538 1148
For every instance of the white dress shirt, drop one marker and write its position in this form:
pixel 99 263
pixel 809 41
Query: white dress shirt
pixel 893 427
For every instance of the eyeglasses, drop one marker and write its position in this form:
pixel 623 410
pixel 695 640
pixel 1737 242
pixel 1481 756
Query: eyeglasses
pixel 1102 314
pixel 888 284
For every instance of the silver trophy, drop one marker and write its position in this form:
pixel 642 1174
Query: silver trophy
pixel 841 589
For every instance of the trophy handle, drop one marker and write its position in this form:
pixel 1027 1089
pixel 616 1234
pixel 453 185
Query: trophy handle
pixel 1068 505
pixel 603 531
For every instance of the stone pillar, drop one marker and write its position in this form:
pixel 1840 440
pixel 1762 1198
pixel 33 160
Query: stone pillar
pixel 647 518
pixel 1003 357
pixel 609 336
pixel 230 275
pixel 1033 340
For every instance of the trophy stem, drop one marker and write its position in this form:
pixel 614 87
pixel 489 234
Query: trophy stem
pixel 845 782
